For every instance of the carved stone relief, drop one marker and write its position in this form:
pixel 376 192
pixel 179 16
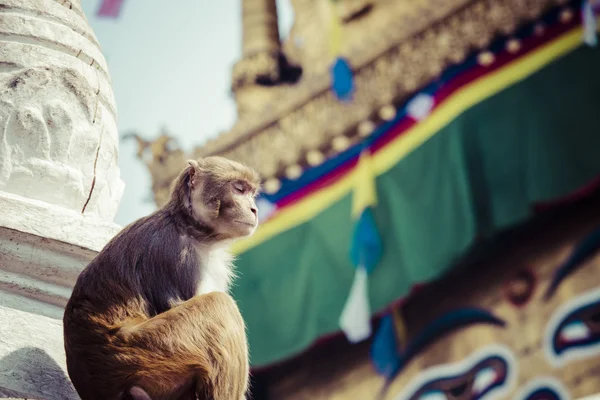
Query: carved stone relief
pixel 58 133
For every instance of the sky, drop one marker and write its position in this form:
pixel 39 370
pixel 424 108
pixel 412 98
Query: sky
pixel 170 66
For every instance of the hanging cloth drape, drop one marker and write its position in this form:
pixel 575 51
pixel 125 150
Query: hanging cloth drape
pixel 365 252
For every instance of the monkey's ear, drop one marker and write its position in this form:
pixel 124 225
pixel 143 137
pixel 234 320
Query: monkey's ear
pixel 193 163
pixel 194 171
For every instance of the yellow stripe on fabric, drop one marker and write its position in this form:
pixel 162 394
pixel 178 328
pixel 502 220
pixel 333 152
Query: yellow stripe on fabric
pixel 473 93
pixel 365 193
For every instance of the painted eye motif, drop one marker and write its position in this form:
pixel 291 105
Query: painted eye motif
pixel 485 375
pixel 543 388
pixel 573 332
pixel 238 187
pixel 433 396
pixel 486 379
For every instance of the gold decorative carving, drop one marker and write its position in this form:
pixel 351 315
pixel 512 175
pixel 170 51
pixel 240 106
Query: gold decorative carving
pixel 486 58
pixel 164 160
pixel 513 46
pixel 340 143
pixel 314 158
pixel 394 49
pixel 347 10
pixel 272 185
pixel 293 171
pixel 365 128
pixel 255 67
pixel 566 15
pixel 387 113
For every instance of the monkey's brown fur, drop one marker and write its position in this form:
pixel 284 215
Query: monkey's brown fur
pixel 138 326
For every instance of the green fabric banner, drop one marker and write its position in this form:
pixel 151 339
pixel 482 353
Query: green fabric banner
pixel 535 141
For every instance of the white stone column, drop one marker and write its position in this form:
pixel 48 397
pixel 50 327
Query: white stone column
pixel 60 184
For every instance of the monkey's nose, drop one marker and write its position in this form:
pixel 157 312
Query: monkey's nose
pixel 254 211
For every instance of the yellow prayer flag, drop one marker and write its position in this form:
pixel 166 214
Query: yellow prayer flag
pixel 365 193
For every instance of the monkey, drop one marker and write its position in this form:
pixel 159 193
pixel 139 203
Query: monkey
pixel 150 317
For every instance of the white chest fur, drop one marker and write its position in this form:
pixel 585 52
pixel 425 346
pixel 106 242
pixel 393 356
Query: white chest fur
pixel 216 271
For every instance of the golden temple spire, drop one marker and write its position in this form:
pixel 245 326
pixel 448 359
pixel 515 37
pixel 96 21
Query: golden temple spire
pixel 260 29
pixel 263 63
pixel 260 45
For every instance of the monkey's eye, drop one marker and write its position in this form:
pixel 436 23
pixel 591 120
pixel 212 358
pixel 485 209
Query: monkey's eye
pixel 238 187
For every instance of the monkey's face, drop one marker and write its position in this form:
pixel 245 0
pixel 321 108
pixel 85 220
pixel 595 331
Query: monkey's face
pixel 238 214
pixel 223 195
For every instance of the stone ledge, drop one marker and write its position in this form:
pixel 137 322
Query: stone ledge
pixel 32 359
pixel 43 248
pixel 49 221
pixel 6 394
pixel 37 274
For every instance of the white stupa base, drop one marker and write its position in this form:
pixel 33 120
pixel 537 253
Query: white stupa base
pixel 43 248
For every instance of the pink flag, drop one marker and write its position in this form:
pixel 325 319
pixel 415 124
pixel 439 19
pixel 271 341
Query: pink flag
pixel 109 8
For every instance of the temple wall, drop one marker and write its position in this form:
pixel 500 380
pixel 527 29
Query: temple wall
pixel 456 360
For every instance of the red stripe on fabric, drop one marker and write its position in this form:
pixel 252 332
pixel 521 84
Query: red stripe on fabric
pixel 579 194
pixel 318 184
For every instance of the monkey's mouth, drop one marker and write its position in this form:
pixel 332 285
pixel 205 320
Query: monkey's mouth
pixel 250 224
